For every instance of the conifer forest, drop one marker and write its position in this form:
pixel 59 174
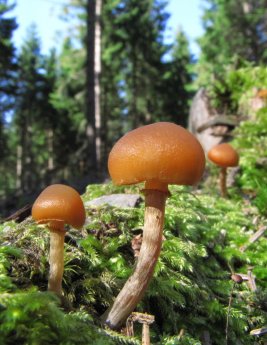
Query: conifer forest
pixel 133 178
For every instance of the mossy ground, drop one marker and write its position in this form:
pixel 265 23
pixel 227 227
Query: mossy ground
pixel 189 294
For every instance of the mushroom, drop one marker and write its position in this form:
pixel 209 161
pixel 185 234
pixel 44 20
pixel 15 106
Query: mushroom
pixel 223 155
pixel 56 206
pixel 146 320
pixel 237 278
pixel 158 154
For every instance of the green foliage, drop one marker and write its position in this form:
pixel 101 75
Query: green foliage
pixel 177 81
pixel 243 81
pixel 50 97
pixel 251 139
pixel 190 290
pixel 178 340
pixel 237 93
pixel 7 89
pixel 233 93
pixel 5 280
pixel 7 66
pixel 234 34
pixel 204 236
pixel 33 317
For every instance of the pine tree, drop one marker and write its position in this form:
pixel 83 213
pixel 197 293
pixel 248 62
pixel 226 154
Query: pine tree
pixel 68 98
pixel 85 91
pixel 93 69
pixel 144 25
pixel 133 34
pixel 7 65
pixel 7 89
pixel 32 112
pixel 235 31
pixel 132 50
pixel 178 78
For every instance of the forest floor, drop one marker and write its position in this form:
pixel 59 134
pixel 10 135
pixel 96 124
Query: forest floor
pixel 208 240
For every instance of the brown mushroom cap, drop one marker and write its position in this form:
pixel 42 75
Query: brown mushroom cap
pixel 59 204
pixel 224 155
pixel 158 153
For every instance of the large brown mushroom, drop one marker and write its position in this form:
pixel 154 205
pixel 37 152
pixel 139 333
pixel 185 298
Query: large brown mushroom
pixel 56 206
pixel 158 154
pixel 223 155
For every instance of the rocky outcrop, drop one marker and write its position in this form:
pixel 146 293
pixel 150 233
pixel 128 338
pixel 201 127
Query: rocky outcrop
pixel 209 127
pixel 117 200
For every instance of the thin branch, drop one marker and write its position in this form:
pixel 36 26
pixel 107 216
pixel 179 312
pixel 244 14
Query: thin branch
pixel 254 238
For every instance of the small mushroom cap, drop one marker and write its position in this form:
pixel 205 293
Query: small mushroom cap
pixel 162 152
pixel 237 278
pixel 224 155
pixel 262 93
pixel 59 203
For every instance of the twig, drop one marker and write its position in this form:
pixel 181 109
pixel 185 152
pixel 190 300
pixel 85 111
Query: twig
pixel 254 238
pixel 251 280
pixel 20 214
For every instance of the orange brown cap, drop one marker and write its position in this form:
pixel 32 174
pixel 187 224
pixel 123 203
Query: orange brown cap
pixel 160 153
pixel 57 205
pixel 262 93
pixel 224 155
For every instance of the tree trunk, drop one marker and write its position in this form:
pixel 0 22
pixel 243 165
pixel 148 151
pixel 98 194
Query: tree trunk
pixel 19 168
pixel 30 172
pixel 93 64
pixel 50 149
pixel 97 80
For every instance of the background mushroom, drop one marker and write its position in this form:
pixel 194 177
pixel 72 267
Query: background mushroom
pixel 158 154
pixel 223 155
pixel 56 206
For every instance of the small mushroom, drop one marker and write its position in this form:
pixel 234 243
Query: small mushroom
pixel 56 206
pixel 146 320
pixel 223 155
pixel 237 278
pixel 158 154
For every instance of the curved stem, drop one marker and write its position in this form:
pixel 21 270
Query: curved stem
pixel 134 288
pixel 56 261
pixel 223 182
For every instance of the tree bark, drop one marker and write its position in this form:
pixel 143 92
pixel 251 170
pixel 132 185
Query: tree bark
pixel 19 167
pixel 50 149
pixel 93 70
pixel 97 80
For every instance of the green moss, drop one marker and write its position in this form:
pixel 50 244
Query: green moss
pixel 190 290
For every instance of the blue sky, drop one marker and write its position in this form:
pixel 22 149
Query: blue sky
pixel 185 14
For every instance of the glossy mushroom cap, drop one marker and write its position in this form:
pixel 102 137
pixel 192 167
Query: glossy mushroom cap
pixel 58 205
pixel 224 155
pixel 158 153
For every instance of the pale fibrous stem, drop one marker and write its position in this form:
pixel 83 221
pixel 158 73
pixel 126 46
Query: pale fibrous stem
pixel 56 261
pixel 223 182
pixel 135 287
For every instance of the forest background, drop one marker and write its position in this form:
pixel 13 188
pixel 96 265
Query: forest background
pixel 62 111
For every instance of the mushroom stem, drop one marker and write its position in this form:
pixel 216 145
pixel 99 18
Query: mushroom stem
pixel 223 182
pixel 134 288
pixel 56 261
pixel 145 334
